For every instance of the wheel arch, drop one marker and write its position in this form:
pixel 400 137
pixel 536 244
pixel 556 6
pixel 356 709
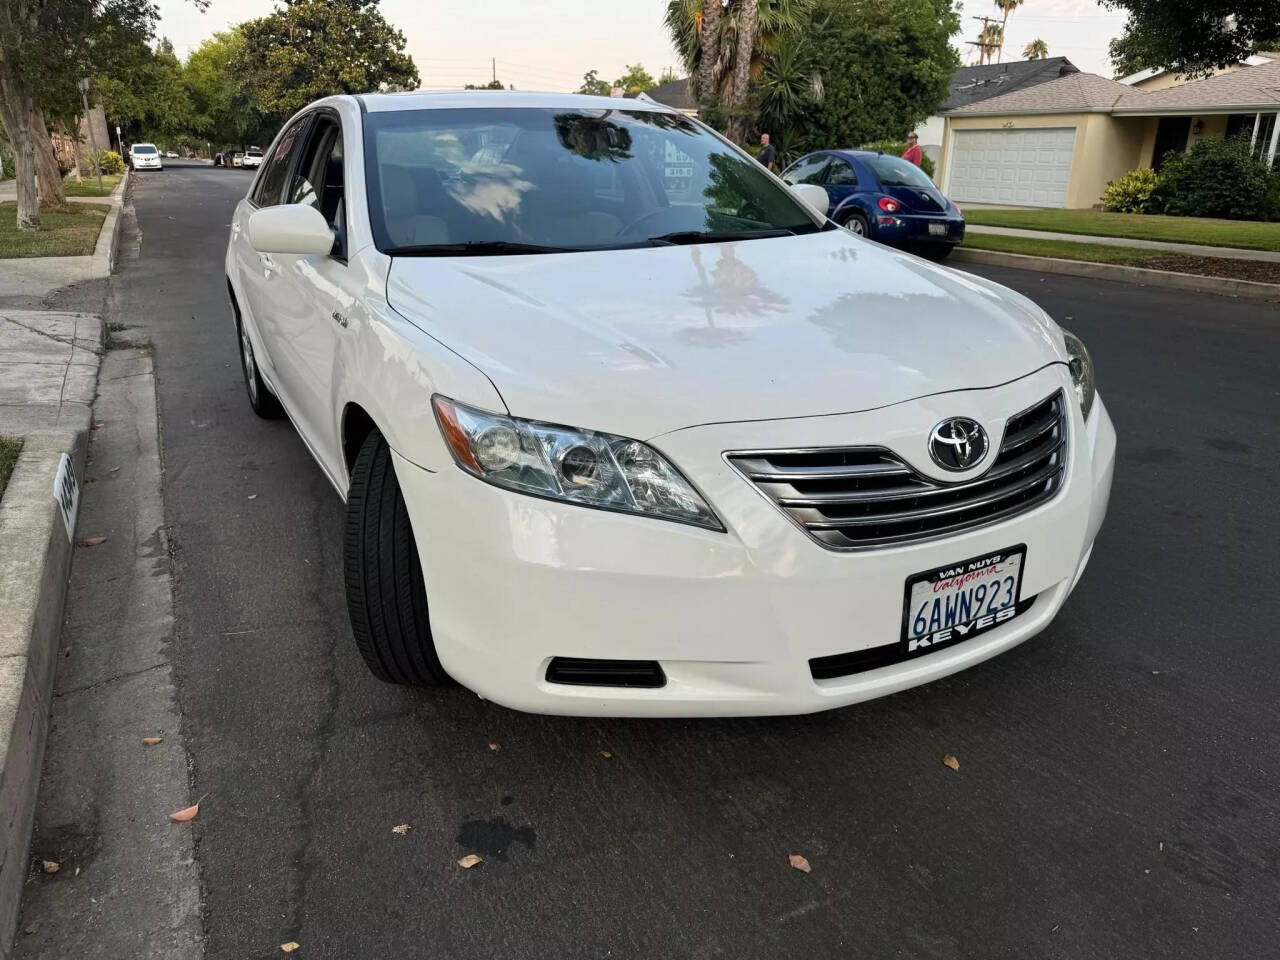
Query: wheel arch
pixel 357 424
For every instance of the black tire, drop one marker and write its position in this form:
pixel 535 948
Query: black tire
pixel 386 595
pixel 937 252
pixel 856 223
pixel 261 399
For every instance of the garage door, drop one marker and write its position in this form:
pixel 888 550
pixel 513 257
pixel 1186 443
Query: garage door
pixel 1021 167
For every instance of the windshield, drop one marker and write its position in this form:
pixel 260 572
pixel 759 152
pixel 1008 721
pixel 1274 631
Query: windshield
pixel 144 148
pixel 896 172
pixel 534 180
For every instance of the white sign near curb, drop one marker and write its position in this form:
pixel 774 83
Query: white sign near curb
pixel 66 491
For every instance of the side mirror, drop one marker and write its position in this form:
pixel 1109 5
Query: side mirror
pixel 290 228
pixel 813 195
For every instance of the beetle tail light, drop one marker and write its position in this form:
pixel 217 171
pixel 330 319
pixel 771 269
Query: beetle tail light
pixel 888 204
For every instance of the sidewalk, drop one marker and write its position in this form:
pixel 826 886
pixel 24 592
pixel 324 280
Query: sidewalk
pixel 1189 249
pixel 34 277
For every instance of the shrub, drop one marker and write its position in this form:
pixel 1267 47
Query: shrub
pixel 1271 204
pixel 109 161
pixel 7 170
pixel 895 148
pixel 1215 178
pixel 1131 193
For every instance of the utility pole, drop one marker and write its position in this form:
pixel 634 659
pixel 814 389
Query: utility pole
pixel 88 122
pixel 495 69
pixel 983 43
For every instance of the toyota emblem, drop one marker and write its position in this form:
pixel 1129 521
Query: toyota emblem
pixel 958 443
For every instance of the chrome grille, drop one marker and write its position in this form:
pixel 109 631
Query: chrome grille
pixel 850 498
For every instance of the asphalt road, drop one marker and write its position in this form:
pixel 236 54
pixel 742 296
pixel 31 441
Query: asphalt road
pixel 1119 785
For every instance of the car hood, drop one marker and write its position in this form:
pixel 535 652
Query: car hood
pixel 644 341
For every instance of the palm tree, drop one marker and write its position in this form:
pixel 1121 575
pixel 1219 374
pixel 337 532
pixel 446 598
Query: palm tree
pixel 1037 49
pixel 1007 7
pixel 723 44
pixel 988 41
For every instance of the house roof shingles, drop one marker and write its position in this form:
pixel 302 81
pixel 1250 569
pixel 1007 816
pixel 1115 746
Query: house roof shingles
pixel 1075 93
pixel 974 84
pixel 1249 88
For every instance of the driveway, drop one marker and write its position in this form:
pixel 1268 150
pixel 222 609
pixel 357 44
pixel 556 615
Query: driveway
pixel 1117 784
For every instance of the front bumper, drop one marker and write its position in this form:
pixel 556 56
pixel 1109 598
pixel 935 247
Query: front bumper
pixel 154 163
pixel 733 618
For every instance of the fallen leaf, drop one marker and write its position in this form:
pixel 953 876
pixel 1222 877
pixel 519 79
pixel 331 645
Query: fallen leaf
pixel 951 761
pixel 253 496
pixel 92 541
pixel 189 813
pixel 99 424
pixel 402 829
pixel 470 860
pixel 799 863
pixel 495 747
pixel 151 741
pixel 51 866
pixel 291 946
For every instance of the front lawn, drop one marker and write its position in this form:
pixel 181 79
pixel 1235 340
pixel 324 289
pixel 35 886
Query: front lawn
pixel 89 186
pixel 71 231
pixel 10 447
pixel 1258 270
pixel 1245 234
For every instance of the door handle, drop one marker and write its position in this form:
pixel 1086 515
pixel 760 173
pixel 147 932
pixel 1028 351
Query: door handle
pixel 267 264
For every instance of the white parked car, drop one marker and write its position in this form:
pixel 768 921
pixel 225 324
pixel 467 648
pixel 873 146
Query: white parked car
pixel 252 157
pixel 145 156
pixel 624 427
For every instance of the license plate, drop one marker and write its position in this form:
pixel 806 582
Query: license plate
pixel 937 229
pixel 962 600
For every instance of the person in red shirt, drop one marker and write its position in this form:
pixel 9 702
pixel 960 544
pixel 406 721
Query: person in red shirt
pixel 913 153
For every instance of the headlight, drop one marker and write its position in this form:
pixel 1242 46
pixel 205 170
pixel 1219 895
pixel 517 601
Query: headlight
pixel 1081 371
pixel 576 466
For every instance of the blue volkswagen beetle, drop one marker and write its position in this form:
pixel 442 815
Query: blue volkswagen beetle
pixel 883 197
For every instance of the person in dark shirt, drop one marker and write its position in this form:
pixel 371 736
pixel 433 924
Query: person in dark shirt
pixel 768 154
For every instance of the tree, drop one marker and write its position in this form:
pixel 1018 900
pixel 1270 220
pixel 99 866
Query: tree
pixel 593 85
pixel 224 107
pixel 668 75
pixel 1037 49
pixel 725 46
pixel 1192 37
pixel 1006 7
pixel 636 80
pixel 308 49
pixel 45 47
pixel 884 66
pixel 494 84
pixel 990 40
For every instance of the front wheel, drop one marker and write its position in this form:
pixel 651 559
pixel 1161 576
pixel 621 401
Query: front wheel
pixel 386 595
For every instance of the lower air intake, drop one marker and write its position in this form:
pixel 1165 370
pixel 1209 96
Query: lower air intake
pixel 582 672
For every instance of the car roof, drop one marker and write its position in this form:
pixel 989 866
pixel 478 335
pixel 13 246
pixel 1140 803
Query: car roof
pixel 470 99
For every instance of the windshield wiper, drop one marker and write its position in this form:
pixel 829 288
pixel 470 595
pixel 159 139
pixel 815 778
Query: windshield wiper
pixel 474 248
pixel 713 236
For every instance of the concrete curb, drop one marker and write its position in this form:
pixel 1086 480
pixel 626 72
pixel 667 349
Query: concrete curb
pixel 104 252
pixel 1245 289
pixel 35 565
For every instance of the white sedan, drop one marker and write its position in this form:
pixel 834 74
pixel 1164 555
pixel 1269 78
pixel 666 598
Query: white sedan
pixel 624 427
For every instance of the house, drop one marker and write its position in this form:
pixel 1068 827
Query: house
pixel 974 84
pixel 674 94
pixel 1058 144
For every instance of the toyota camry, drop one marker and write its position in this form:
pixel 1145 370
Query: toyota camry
pixel 624 425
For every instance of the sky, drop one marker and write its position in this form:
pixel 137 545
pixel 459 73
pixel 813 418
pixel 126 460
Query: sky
pixel 550 44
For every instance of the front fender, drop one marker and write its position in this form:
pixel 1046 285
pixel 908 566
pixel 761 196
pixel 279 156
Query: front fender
pixel 394 368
